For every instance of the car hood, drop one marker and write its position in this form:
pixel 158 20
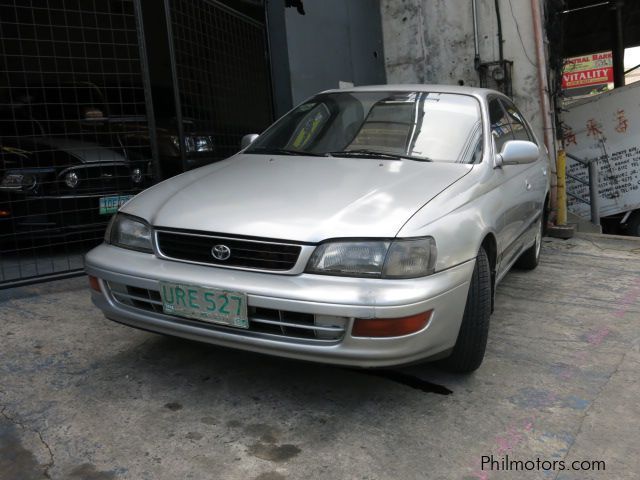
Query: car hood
pixel 39 151
pixel 84 152
pixel 299 198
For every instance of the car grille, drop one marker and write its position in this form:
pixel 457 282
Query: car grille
pixel 97 179
pixel 265 321
pixel 244 253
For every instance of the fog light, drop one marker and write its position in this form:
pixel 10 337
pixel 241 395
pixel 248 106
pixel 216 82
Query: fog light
pixel 18 181
pixel 136 175
pixel 71 179
pixel 94 284
pixel 332 322
pixel 390 327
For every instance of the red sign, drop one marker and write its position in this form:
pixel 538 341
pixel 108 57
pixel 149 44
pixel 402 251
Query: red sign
pixel 587 71
pixel 597 76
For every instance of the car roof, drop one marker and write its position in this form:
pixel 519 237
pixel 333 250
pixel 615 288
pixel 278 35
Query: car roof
pixel 421 87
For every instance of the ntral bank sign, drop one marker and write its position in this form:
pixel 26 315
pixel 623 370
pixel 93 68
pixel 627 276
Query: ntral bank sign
pixel 587 71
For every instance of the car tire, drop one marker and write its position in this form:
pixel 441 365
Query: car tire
pixel 468 352
pixel 531 257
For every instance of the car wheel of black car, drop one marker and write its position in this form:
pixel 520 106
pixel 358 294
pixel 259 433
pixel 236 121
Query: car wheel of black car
pixel 470 346
pixel 531 257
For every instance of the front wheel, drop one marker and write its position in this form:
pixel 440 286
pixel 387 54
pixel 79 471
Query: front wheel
pixel 468 352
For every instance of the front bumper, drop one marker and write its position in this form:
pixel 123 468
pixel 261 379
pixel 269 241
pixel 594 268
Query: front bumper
pixel 444 292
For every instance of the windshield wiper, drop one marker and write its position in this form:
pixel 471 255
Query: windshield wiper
pixel 283 151
pixel 364 152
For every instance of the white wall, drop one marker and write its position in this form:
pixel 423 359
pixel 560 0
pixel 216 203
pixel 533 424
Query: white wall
pixel 431 41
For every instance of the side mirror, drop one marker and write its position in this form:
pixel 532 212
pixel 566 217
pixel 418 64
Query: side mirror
pixel 517 152
pixel 248 140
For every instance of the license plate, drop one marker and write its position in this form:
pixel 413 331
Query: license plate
pixel 109 205
pixel 206 304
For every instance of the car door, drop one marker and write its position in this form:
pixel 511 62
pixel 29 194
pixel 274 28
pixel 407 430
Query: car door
pixel 512 189
pixel 536 173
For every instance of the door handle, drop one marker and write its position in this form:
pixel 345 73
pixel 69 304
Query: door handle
pixel 526 182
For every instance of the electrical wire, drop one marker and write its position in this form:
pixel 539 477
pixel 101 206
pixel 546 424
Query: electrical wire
pixel 520 35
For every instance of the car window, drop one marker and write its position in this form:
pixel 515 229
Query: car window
pixel 449 127
pixel 517 122
pixel 310 127
pixel 423 125
pixel 15 123
pixel 500 126
pixel 472 153
pixel 386 128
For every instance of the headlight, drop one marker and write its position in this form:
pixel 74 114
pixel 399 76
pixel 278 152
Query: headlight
pixel 203 144
pixel 71 179
pixel 198 144
pixel 356 259
pixel 136 175
pixel 402 258
pixel 129 232
pixel 195 143
pixel 410 258
pixel 18 181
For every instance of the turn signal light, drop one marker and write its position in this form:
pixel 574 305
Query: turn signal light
pixel 390 327
pixel 5 213
pixel 94 284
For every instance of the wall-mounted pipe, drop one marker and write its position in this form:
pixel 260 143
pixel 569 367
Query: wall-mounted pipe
pixel 617 42
pixel 500 39
pixel 561 217
pixel 545 104
pixel 476 42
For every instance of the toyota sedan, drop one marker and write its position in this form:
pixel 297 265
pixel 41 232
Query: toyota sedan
pixel 367 227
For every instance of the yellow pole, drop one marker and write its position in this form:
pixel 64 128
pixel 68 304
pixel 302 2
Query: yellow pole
pixel 561 218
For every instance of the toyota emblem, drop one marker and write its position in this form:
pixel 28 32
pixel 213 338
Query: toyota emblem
pixel 221 252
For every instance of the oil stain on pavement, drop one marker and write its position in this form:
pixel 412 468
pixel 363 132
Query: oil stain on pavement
pixel 274 453
pixel 16 462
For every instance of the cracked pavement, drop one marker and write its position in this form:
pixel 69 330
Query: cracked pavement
pixel 82 398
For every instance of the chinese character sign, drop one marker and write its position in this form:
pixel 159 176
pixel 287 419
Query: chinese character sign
pixel 606 128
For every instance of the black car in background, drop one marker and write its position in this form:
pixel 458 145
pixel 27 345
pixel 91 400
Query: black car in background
pixel 198 145
pixel 62 168
pixel 118 114
pixel 71 153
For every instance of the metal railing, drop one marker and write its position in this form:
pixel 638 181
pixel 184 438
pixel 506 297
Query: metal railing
pixel 594 199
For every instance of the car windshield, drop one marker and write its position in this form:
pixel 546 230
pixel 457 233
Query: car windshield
pixel 425 126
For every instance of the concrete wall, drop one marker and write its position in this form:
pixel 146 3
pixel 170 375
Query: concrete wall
pixel 431 41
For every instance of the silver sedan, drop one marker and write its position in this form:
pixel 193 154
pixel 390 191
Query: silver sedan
pixel 367 227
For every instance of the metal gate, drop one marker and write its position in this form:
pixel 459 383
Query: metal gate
pixel 221 72
pixel 74 139
pixel 81 129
